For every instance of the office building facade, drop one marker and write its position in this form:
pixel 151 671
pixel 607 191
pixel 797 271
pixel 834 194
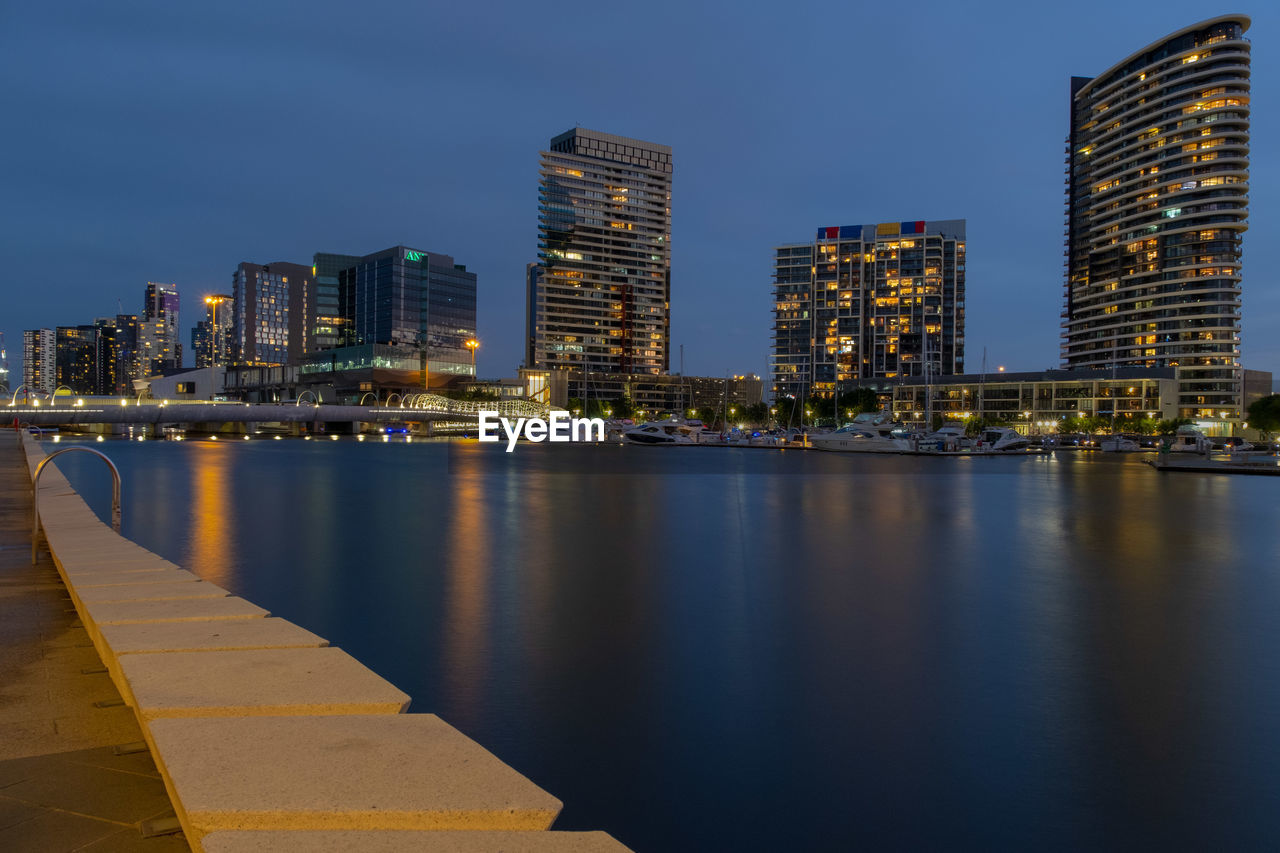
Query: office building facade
pixel 270 313
pixel 39 360
pixel 330 326
pixel 1157 203
pixel 602 298
pixel 865 302
pixel 415 300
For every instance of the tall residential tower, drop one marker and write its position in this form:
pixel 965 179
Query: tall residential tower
pixel 1157 201
pixel 866 302
pixel 603 297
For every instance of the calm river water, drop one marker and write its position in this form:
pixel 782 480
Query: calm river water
pixel 730 649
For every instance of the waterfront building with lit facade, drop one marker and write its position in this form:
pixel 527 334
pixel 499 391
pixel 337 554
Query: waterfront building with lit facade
pixel 601 299
pixel 39 360
pixel 271 303
pixel 1157 203
pixel 866 302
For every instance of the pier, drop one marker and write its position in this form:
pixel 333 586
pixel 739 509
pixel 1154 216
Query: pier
pixel 262 734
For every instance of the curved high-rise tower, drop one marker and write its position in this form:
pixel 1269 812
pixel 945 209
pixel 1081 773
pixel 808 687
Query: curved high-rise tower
pixel 1157 202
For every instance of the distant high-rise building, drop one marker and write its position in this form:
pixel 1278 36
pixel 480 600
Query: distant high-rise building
pixel 211 337
pixel 602 301
pixel 868 302
pixel 272 306
pixel 79 360
pixel 39 360
pixel 1157 202
pixel 4 364
pixel 124 353
pixel 159 340
pixel 330 326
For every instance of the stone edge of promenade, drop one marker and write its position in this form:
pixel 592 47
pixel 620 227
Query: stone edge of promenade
pixel 267 737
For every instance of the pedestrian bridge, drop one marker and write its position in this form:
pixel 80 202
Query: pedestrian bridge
pixel 415 408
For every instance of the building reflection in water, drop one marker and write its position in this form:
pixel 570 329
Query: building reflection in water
pixel 212 549
pixel 468 567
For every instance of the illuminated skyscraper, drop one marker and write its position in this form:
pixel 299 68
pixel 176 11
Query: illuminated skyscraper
pixel 159 341
pixel 1157 202
pixel 601 300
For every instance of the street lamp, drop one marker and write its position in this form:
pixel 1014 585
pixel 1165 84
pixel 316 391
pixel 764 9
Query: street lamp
pixel 472 344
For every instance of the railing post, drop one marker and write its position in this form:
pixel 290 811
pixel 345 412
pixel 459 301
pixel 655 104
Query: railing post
pixel 35 492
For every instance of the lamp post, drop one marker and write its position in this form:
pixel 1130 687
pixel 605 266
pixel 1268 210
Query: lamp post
pixel 472 344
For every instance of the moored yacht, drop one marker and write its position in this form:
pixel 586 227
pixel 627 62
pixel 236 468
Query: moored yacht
pixel 867 433
pixel 663 433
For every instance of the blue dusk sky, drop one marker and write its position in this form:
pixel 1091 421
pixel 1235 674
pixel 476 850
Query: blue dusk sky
pixel 170 141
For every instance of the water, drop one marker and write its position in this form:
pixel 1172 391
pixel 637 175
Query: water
pixel 729 649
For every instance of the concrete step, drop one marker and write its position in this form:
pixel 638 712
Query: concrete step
pixel 408 841
pixel 125 576
pixel 217 635
pixel 208 636
pixel 97 615
pixel 389 771
pixel 255 682
pixel 147 591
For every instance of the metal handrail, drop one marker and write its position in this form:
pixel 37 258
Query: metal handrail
pixel 35 492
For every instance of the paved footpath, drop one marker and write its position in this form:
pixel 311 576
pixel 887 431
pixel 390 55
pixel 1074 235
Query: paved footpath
pixel 62 787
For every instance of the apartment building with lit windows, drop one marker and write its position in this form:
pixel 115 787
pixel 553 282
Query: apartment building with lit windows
pixel 1157 203
pixel 865 302
pixel 601 298
pixel 39 360
pixel 269 313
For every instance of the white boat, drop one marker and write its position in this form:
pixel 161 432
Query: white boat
pixel 1000 440
pixel 867 433
pixel 1118 444
pixel 950 438
pixel 663 433
pixel 1188 439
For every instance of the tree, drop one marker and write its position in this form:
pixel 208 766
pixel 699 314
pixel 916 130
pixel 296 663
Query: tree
pixel 1264 414
pixel 622 407
pixel 1072 425
pixel 1170 427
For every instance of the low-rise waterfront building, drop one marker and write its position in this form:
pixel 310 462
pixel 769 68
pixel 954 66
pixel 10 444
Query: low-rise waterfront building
pixel 1036 402
pixel 666 392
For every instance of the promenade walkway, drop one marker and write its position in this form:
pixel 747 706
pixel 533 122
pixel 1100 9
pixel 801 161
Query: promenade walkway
pixel 62 787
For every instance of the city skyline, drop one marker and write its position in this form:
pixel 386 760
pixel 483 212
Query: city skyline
pixel 994 160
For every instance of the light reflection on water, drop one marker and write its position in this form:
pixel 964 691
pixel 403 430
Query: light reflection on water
pixel 734 649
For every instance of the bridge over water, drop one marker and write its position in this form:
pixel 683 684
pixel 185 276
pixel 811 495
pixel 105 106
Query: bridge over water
pixel 416 408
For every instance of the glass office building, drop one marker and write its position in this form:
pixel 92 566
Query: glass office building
pixel 1157 203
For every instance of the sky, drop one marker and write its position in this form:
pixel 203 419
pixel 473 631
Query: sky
pixel 171 141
